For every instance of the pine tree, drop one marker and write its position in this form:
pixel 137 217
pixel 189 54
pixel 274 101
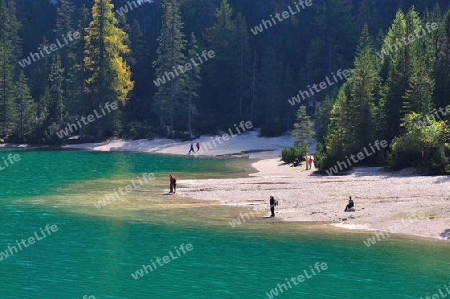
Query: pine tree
pixel 56 92
pixel 322 117
pixel 192 82
pixel 70 54
pixel 398 66
pixel 303 133
pixel 222 37
pixel 78 97
pixel 26 114
pixel 419 95
pixel 51 105
pixel 339 134
pixel 136 109
pixel 364 84
pixel 243 62
pixel 9 51
pixel 335 22
pixel 170 52
pixel 443 63
pixel 254 86
pixel 108 76
pixel 271 94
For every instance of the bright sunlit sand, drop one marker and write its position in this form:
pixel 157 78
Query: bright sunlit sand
pixel 393 202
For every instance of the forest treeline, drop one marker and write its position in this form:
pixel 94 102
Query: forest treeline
pixel 398 93
pixel 62 64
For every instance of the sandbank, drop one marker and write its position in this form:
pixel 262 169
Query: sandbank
pixel 398 202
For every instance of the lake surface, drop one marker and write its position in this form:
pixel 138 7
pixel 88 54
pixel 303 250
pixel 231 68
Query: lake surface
pixel 112 251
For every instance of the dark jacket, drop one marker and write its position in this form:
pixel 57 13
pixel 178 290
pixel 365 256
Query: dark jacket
pixel 349 206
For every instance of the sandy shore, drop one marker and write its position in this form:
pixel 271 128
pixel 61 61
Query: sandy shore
pixel 391 202
pixel 248 144
pixel 394 203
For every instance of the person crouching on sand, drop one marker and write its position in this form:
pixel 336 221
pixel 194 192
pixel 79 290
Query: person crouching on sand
pixel 351 206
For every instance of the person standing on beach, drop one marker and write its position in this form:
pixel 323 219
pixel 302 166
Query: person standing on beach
pixel 273 203
pixel 174 184
pixel 198 146
pixel 306 162
pixel 310 162
pixel 192 148
pixel 171 179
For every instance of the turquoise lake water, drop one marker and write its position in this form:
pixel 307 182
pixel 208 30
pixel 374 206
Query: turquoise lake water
pixel 94 252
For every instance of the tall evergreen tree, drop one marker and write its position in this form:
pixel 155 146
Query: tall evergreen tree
pixel 254 86
pixel 70 54
pixel 365 87
pixel 443 63
pixel 271 94
pixel 170 52
pixel 192 82
pixel 303 132
pixel 222 37
pixel 399 66
pixel 109 77
pixel 9 51
pixel 243 63
pixel 26 113
pixel 52 104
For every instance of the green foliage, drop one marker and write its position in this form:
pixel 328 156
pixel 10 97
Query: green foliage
pixel 50 137
pixel 130 132
pixel 303 133
pixel 322 118
pixel 320 158
pixel 439 162
pixel 405 153
pixel 9 51
pixel 289 155
pixel 103 63
pixel 171 47
pixel 108 77
pixel 420 146
pixel 135 131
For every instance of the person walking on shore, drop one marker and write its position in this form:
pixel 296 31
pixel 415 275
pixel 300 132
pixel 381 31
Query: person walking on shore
pixel 198 146
pixel 310 161
pixel 191 149
pixel 273 203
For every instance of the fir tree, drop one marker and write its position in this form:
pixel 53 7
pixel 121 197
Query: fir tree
pixel 243 63
pixel 222 37
pixel 192 82
pixel 9 51
pixel 170 52
pixel 364 86
pixel 108 76
pixel 26 114
pixel 303 133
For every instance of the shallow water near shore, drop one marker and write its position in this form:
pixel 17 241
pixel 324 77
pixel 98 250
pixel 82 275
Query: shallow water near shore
pixel 95 251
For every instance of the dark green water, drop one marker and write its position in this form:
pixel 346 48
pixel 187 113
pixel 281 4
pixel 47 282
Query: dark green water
pixel 95 251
